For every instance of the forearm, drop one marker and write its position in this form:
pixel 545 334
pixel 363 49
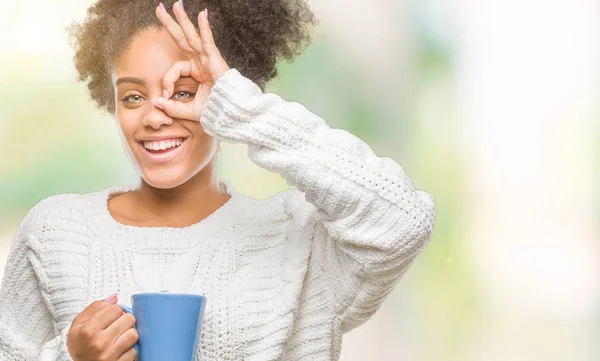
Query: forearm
pixel 363 199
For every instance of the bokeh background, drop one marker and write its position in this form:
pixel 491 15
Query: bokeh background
pixel 492 106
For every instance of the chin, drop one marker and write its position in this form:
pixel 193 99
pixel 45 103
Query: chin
pixel 175 174
pixel 165 179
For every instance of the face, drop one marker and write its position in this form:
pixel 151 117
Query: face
pixel 147 130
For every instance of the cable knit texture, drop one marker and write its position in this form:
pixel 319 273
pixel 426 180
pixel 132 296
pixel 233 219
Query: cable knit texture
pixel 285 277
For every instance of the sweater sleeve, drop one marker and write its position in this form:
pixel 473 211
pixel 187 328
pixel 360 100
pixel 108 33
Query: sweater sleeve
pixel 27 330
pixel 372 222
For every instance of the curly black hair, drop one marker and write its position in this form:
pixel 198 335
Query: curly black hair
pixel 252 35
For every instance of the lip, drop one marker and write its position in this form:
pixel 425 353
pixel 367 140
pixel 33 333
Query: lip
pixel 162 157
pixel 162 137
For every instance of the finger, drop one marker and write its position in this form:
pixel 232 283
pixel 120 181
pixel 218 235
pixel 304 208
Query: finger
pixel 91 310
pixel 173 29
pixel 188 28
pixel 206 35
pixel 128 355
pixel 176 109
pixel 106 317
pixel 176 71
pixel 125 341
pixel 122 324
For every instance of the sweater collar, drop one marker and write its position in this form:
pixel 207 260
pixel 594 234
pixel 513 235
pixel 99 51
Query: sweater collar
pixel 103 223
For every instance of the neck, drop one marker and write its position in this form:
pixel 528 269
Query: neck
pixel 195 199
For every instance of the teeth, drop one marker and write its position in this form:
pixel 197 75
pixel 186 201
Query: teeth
pixel 163 144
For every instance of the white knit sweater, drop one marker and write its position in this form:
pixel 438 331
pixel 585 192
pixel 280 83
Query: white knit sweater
pixel 284 277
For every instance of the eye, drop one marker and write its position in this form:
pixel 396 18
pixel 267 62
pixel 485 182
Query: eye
pixel 132 98
pixel 183 95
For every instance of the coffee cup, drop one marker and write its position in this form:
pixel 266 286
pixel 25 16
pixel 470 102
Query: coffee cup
pixel 168 325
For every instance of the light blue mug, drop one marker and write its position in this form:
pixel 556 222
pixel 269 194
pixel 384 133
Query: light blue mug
pixel 168 325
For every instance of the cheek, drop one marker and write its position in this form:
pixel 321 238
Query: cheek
pixel 204 144
pixel 127 122
pixel 196 129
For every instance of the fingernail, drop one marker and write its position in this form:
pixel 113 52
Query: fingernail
pixel 166 95
pixel 206 13
pixel 157 105
pixel 181 4
pixel 162 7
pixel 111 297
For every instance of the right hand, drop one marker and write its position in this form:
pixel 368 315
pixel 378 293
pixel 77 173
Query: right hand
pixel 102 332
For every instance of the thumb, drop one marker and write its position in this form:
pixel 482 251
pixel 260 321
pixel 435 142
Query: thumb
pixel 175 109
pixel 94 308
pixel 112 298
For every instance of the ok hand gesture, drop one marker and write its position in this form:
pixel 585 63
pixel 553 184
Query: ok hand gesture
pixel 205 64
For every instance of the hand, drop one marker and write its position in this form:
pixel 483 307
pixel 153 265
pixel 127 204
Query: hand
pixel 205 63
pixel 102 332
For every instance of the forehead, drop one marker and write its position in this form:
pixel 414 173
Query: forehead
pixel 151 53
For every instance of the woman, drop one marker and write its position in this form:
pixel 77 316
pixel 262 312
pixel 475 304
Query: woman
pixel 285 277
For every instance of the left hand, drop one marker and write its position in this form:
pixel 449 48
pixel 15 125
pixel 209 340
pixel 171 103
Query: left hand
pixel 205 64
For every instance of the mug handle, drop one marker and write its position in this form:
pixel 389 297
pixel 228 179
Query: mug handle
pixel 129 310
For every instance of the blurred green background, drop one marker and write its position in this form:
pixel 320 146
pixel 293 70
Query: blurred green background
pixel 489 106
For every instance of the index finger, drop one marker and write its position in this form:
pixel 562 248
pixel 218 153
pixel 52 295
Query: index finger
pixel 105 317
pixel 178 69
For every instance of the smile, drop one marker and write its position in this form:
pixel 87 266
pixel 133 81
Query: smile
pixel 162 151
pixel 161 145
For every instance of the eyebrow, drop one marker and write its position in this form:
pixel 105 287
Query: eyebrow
pixel 141 82
pixel 130 80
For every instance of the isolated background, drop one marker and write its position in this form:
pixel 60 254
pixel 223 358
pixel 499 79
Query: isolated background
pixel 492 106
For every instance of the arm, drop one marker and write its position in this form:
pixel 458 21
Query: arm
pixel 372 222
pixel 26 325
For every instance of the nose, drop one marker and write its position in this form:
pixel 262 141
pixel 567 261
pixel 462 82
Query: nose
pixel 156 118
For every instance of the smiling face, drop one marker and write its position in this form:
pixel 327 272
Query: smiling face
pixel 166 152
